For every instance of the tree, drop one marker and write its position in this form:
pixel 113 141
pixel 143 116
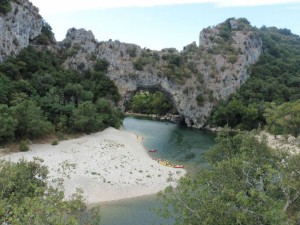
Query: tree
pixel 150 103
pixel 25 198
pixel 86 119
pixel 246 183
pixel 31 122
pixel 111 116
pixel 284 118
pixel 8 123
pixel 101 65
pixel 5 6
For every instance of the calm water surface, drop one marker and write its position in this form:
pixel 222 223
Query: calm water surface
pixel 175 143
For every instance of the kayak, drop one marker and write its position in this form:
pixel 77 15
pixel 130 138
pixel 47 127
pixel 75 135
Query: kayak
pixel 167 163
pixel 178 166
pixel 153 150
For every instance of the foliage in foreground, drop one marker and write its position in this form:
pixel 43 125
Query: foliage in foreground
pixel 247 183
pixel 284 118
pixel 25 198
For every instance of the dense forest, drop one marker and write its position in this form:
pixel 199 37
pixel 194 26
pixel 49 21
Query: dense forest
pixel 274 82
pixel 38 97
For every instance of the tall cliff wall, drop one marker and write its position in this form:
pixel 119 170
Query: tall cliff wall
pixel 18 27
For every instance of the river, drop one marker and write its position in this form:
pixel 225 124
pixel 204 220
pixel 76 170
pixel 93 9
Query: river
pixel 173 142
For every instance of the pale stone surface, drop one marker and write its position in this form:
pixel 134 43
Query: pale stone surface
pixel 220 75
pixel 18 27
pixel 109 165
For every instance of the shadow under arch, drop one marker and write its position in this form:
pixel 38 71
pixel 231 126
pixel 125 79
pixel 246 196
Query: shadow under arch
pixel 154 88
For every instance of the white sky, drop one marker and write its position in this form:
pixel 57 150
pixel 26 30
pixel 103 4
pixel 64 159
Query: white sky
pixel 158 24
pixel 57 6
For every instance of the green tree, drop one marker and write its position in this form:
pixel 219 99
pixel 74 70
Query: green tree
pixel 246 183
pixel 101 65
pixel 31 122
pixel 86 119
pixel 8 123
pixel 5 6
pixel 25 198
pixel 150 103
pixel 284 118
pixel 111 116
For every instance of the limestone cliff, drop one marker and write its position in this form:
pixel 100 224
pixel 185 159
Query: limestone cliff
pixel 194 80
pixel 18 27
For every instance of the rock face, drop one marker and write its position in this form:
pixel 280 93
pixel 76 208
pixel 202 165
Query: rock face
pixel 18 27
pixel 194 80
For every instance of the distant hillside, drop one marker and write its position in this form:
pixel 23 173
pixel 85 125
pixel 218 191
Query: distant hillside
pixel 194 80
pixel 274 78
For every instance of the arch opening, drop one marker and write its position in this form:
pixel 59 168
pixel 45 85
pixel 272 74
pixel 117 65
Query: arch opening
pixel 154 102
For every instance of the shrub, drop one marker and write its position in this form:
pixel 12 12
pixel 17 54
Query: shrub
pixel 42 39
pixel 5 6
pixel 232 59
pixel 55 142
pixel 23 146
pixel 131 51
pixel 101 65
pixel 200 99
pixel 138 65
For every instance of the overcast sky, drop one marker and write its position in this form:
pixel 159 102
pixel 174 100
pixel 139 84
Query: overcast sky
pixel 157 24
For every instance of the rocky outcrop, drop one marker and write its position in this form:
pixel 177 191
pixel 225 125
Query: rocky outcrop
pixel 18 27
pixel 193 80
pixel 198 78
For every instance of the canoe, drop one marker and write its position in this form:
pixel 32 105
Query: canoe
pixel 167 163
pixel 178 166
pixel 153 150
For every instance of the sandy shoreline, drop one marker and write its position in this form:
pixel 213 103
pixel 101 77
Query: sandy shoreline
pixel 109 165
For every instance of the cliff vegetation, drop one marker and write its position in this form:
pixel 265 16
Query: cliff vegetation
pixel 273 85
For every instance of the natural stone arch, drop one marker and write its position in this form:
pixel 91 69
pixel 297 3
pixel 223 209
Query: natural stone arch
pixel 184 102
pixel 211 78
pixel 173 116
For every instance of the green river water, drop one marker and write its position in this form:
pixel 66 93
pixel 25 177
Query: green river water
pixel 175 143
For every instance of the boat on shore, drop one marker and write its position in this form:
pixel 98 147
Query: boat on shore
pixel 167 163
pixel 153 150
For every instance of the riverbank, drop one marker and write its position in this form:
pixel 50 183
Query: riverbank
pixel 107 166
pixel 168 117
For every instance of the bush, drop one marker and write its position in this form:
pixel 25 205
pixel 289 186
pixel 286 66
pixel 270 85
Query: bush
pixel 200 99
pixel 141 62
pixel 23 146
pixel 5 6
pixel 42 40
pixel 150 103
pixel 131 51
pixel 232 59
pixel 27 199
pixel 101 65
pixel 55 142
